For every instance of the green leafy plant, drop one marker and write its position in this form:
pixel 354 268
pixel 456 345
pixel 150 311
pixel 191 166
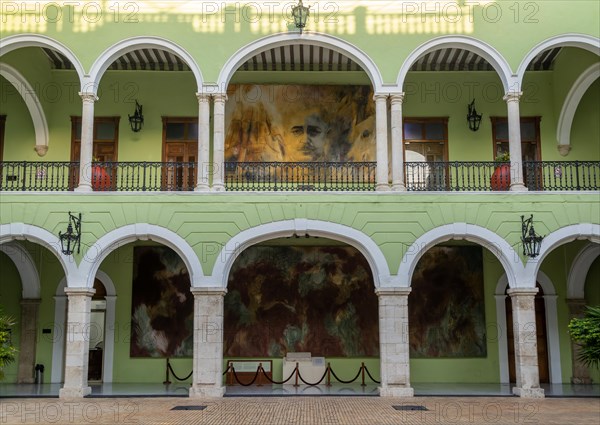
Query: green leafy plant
pixel 503 157
pixel 7 351
pixel 586 332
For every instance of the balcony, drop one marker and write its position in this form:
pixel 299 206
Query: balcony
pixel 454 176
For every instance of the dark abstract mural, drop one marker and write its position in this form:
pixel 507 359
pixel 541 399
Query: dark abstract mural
pixel 446 304
pixel 286 299
pixel 291 123
pixel 162 306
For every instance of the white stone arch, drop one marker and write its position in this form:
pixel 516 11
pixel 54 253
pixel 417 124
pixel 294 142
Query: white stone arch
pixel 567 113
pixel 131 233
pixel 579 270
pixel 560 237
pixel 60 319
pixel 300 227
pixel 293 38
pixel 30 279
pixel 471 44
pixel 552 334
pixel 13 42
pixel 470 232
pixel 21 231
pixel 146 42
pixel 40 125
pixel 586 42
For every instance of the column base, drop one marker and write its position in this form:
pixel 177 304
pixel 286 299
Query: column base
pixel 74 392
pixel 83 188
pixel 518 187
pixel 396 391
pixel 580 381
pixel 206 391
pixel 382 187
pixel 398 187
pixel 202 188
pixel 528 392
pixel 218 187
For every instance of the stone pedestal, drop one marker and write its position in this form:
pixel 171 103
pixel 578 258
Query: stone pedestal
pixel 525 336
pixel 77 343
pixel 580 372
pixel 208 343
pixel 394 342
pixel 27 345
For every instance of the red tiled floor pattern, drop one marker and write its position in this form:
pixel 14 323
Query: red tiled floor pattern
pixel 302 410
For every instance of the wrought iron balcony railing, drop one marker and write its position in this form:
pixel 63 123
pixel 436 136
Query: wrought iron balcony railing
pixel 296 176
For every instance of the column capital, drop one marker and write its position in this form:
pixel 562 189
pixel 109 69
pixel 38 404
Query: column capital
pixel 398 292
pixel 81 292
pixel 380 96
pixel 87 97
pixel 220 97
pixel 397 98
pixel 215 290
pixel 512 96
pixel 203 97
pixel 517 292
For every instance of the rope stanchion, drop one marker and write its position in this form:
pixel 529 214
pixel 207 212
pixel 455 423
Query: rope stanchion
pixel 371 376
pixel 175 375
pixel 167 381
pixel 328 374
pixel 278 382
pixel 362 372
pixel 297 373
pixel 346 382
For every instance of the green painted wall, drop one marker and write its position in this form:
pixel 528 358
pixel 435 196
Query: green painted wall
pixel 213 35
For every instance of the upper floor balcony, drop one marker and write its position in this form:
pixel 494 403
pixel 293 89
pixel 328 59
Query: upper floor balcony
pixel 440 176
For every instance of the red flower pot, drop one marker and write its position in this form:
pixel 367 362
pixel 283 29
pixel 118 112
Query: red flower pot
pixel 501 178
pixel 100 178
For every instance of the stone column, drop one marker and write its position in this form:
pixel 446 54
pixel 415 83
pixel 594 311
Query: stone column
pixel 219 143
pixel 27 345
pixel 202 184
pixel 77 343
pixel 381 130
pixel 208 343
pixel 580 372
pixel 525 336
pixel 397 152
pixel 394 342
pixel 514 141
pixel 87 142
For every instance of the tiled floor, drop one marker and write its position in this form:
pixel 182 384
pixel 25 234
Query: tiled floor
pixel 302 410
pixel 181 390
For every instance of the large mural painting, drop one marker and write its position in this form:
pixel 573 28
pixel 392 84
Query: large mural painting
pixel 162 306
pixel 291 123
pixel 286 299
pixel 446 304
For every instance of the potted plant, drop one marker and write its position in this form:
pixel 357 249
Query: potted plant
pixel 101 179
pixel 501 177
pixel 7 351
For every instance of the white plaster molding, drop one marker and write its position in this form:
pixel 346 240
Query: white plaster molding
pixel 560 237
pixel 495 244
pixel 563 150
pixel 131 233
pixel 141 42
pixel 579 270
pixel 471 44
pixel 40 125
pixel 310 38
pixel 582 41
pixel 30 280
pixel 13 42
pixel 22 231
pixel 567 113
pixel 280 229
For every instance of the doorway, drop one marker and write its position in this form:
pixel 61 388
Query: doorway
pixel 180 150
pixel 97 333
